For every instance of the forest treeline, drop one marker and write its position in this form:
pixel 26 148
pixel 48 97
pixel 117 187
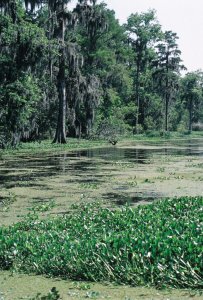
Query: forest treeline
pixel 77 72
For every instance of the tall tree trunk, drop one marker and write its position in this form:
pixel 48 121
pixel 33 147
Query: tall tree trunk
pixel 50 35
pixel 137 98
pixel 60 135
pixel 190 116
pixel 13 10
pixel 167 95
pixel 166 111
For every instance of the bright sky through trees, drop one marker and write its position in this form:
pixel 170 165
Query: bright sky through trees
pixel 185 17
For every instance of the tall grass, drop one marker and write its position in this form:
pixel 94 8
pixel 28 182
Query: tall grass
pixel 158 244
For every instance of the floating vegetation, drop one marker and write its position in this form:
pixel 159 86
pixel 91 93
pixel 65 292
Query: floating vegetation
pixel 162 178
pixel 89 185
pixel 6 199
pixel 43 207
pixel 148 180
pixel 158 244
pixel 52 295
pixel 161 169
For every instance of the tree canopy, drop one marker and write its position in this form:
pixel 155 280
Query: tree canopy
pixel 78 72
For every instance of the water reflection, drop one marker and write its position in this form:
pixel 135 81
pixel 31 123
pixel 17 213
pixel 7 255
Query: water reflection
pixel 132 198
pixel 92 166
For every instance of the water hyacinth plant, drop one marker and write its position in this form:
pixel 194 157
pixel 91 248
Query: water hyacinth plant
pixel 158 244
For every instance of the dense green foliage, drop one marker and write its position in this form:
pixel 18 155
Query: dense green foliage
pixel 158 244
pixel 80 73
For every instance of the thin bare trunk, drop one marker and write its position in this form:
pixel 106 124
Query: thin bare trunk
pixel 60 135
pixel 137 98
pixel 190 116
pixel 166 112
pixel 167 96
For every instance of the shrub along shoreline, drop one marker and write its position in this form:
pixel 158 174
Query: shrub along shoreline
pixel 158 244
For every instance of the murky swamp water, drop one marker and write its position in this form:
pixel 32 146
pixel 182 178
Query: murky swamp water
pixel 19 286
pixel 128 173
pixel 134 173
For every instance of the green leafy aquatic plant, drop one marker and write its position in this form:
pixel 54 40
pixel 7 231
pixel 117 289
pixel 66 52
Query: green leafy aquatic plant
pixel 158 244
pixel 43 207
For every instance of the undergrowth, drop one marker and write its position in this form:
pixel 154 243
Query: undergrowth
pixel 158 244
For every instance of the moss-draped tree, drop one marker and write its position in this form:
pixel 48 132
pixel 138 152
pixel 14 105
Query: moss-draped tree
pixel 72 87
pixel 143 32
pixel 192 96
pixel 167 70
